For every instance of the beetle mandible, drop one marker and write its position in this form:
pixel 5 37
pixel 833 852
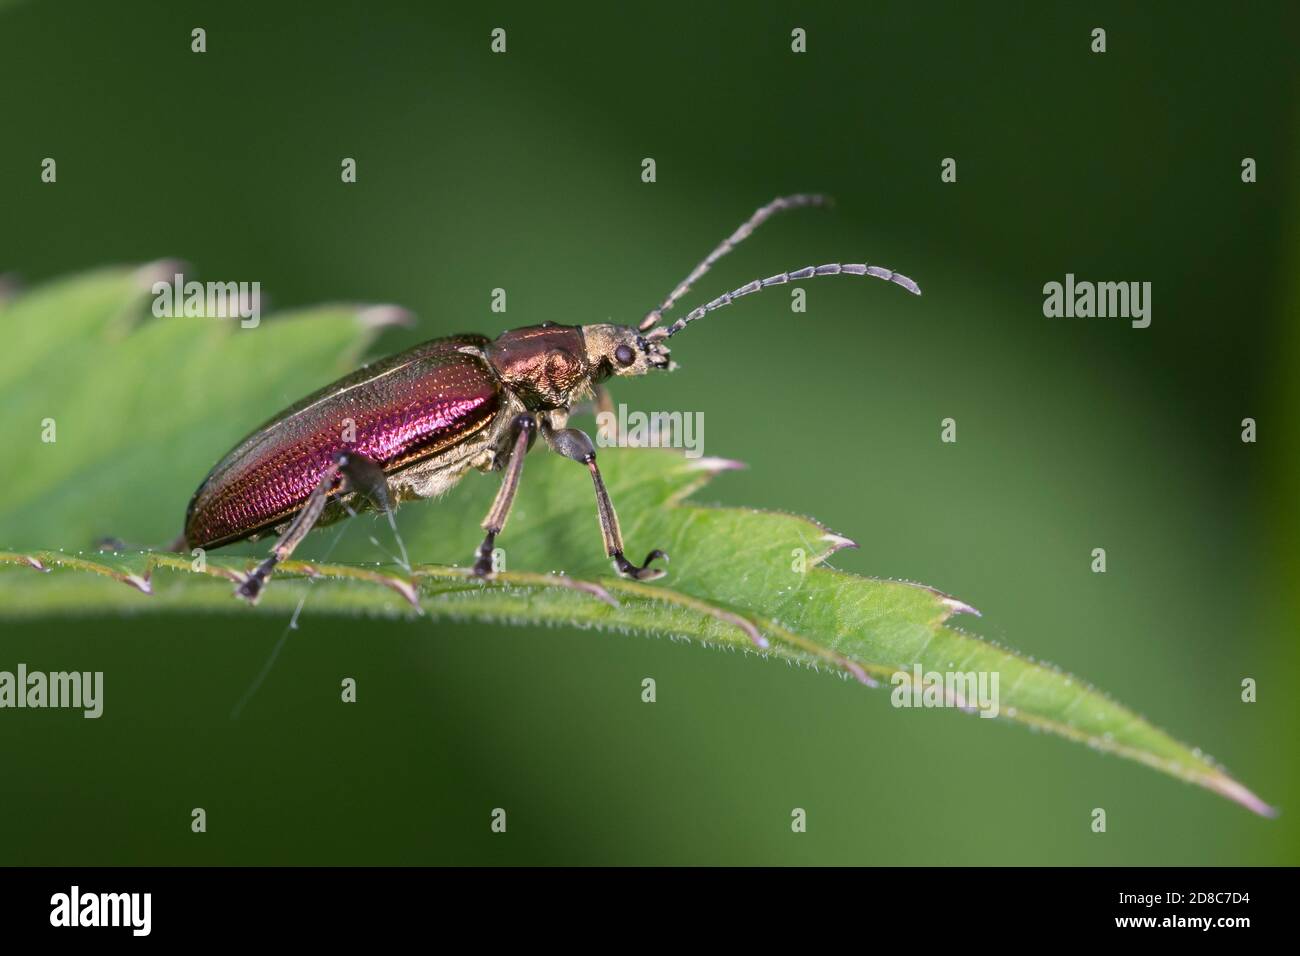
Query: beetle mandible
pixel 412 425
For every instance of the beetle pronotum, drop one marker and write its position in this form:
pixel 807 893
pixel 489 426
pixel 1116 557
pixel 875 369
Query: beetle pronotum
pixel 421 419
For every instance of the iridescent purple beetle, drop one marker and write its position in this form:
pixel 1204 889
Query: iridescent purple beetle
pixel 411 425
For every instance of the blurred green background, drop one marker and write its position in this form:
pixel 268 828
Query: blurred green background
pixel 523 171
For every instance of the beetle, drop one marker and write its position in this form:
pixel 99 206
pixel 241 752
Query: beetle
pixel 412 425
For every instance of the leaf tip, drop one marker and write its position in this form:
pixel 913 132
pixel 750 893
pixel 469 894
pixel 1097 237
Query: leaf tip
pixel 141 584
pixel 596 591
pixel 959 607
pixel 160 270
pixel 838 542
pixel 1227 787
pixel 715 465
pixel 407 590
pixel 954 605
pixel 385 316
pixel 860 673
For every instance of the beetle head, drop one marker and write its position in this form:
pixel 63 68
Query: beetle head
pixel 622 350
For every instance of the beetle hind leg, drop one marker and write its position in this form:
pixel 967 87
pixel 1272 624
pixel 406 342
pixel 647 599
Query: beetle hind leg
pixel 524 430
pixel 359 473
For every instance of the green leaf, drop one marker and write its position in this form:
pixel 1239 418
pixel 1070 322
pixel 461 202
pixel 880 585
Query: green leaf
pixel 142 406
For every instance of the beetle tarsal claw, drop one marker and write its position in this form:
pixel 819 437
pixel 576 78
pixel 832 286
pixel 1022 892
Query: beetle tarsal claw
pixel 250 588
pixel 482 568
pixel 643 573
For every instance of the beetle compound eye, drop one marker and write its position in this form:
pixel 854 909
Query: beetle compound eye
pixel 624 355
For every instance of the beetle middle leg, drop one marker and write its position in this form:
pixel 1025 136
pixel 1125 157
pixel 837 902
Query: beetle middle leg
pixel 524 431
pixel 575 444
pixel 360 473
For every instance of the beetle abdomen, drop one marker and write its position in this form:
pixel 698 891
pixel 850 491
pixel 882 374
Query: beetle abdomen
pixel 395 412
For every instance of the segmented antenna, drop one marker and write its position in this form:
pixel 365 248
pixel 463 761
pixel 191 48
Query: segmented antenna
pixel 761 215
pixel 808 272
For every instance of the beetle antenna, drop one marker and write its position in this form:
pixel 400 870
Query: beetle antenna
pixel 760 216
pixel 781 278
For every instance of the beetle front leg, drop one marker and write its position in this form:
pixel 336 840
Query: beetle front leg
pixel 575 444
pixel 524 430
pixel 601 404
pixel 605 412
pixel 361 474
